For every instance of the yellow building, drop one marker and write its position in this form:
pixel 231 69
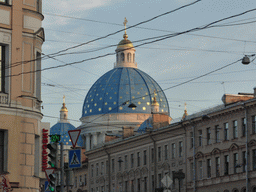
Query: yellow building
pixel 21 39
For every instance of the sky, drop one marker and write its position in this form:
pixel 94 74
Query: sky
pixel 170 62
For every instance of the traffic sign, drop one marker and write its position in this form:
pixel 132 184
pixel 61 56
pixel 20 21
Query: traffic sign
pixel 74 134
pixel 167 181
pixel 48 172
pixel 74 158
pixel 46 186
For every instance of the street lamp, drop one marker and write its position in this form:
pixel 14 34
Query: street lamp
pixel 246 60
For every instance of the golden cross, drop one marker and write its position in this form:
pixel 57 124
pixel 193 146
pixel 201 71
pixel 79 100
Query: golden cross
pixel 185 106
pixel 125 22
pixel 64 98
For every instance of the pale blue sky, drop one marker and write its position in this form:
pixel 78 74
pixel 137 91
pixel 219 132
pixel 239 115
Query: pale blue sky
pixel 169 62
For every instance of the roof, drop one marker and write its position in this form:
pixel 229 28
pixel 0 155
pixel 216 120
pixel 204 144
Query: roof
pixel 113 92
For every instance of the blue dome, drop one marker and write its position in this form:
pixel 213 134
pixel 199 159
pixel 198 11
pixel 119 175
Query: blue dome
pixel 119 85
pixel 62 130
pixel 147 124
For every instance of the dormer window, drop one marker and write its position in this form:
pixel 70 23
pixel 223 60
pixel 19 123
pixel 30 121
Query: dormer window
pixel 122 56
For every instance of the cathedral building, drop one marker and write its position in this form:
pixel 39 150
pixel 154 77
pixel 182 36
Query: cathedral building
pixel 121 98
pixel 21 39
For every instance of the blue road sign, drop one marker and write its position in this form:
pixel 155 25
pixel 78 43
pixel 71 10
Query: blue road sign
pixel 74 158
pixel 46 186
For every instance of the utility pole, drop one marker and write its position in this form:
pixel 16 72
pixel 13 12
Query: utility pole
pixel 61 168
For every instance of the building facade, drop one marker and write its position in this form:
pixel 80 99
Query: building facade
pixel 139 163
pixel 21 39
pixel 219 140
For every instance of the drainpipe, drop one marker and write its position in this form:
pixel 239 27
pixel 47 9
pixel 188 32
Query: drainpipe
pixel 194 158
pixel 109 179
pixel 246 152
pixel 155 175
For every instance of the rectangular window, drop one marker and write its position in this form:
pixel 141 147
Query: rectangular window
pixel 159 154
pixel 200 166
pixel 125 161
pixel 217 161
pixel 173 150
pixel 75 182
pixel 85 179
pixel 244 160
pixel 126 186
pixel 253 124
pixel 209 168
pixel 138 159
pixel 235 131
pixel 132 185
pixel 180 148
pixel 153 183
pixel 226 132
pixel 152 155
pixel 145 184
pixel 2 151
pixel 92 167
pixel 102 168
pixel 226 165
pixel 243 127
pixel 236 166
pixel 191 140
pixel 120 164
pixel 113 165
pixel 166 152
pixel 217 133
pixel 208 136
pixel 192 171
pixel 254 159
pixel 145 157
pixel 132 160
pixel 138 184
pixel 200 138
pixel 2 68
pixel 159 180
pixel 97 169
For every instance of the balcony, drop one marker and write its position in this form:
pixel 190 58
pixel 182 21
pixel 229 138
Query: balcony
pixel 3 99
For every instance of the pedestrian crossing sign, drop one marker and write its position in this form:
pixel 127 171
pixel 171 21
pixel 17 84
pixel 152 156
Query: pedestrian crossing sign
pixel 74 158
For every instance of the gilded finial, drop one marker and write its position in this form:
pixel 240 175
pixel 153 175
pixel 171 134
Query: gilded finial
pixel 64 108
pixel 64 98
pixel 185 112
pixel 125 22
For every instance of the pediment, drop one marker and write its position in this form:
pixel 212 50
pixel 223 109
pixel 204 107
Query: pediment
pixel 233 147
pixel 40 33
pixel 144 171
pixel 199 155
pixel 252 143
pixel 165 166
pixel 216 151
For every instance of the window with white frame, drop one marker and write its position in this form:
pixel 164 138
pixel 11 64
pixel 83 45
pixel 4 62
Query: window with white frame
pixel 200 137
pixel 243 127
pixel 217 133
pixel 209 168
pixel 235 129
pixel 236 166
pixel 200 166
pixel 226 165
pixel 226 132
pixel 173 150
pixel 217 163
pixel 180 149
pixel 208 136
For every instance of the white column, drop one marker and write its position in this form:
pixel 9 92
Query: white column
pixel 94 139
pixel 87 142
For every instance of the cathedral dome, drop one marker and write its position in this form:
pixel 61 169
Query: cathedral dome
pixel 113 92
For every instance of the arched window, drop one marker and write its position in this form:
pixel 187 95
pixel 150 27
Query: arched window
pixel 133 57
pixel 243 189
pixel 129 57
pixel 122 56
pixel 235 190
pixel 117 57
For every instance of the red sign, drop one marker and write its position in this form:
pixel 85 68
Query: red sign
pixel 5 185
pixel 44 152
pixel 74 134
